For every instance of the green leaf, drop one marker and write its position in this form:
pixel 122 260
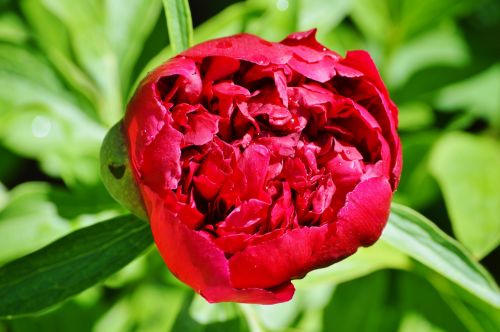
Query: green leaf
pixel 85 22
pixel 323 15
pixel 467 170
pixel 281 15
pixel 4 197
pixel 472 312
pixel 415 17
pixel 84 204
pixel 148 308
pixel 184 322
pixel 53 38
pixel 373 18
pixel 39 132
pixel 157 60
pixel 279 316
pixel 179 23
pixel 365 297
pixel 390 22
pixel 28 221
pixel 365 261
pixel 12 29
pixel 343 38
pixel 41 120
pixel 48 30
pixel 25 63
pixel 70 265
pixel 77 315
pixel 229 21
pixel 419 238
pixel 205 313
pixel 423 306
pixel 127 27
pixel 413 321
pixel 415 116
pixel 442 45
pixel 417 188
pixel 477 95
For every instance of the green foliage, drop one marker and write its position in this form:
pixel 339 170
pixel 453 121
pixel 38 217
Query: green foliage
pixel 70 265
pixel 180 27
pixel 28 221
pixel 67 69
pixel 467 168
pixel 420 239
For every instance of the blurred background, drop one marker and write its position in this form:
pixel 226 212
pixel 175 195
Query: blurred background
pixel 68 68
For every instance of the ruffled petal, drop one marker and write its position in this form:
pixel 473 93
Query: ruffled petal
pixel 194 259
pixel 360 222
pixel 242 47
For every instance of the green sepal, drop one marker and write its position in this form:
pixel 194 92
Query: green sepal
pixel 116 172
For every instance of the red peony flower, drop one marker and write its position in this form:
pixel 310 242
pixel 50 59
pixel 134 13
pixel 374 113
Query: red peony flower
pixel 259 162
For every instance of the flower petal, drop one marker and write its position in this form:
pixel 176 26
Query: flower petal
pixel 300 250
pixel 194 259
pixel 161 169
pixel 243 47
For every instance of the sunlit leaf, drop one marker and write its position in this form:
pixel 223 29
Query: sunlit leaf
pixel 228 22
pixel 52 37
pixel 28 221
pixel 41 120
pixel 29 65
pixel 205 313
pixel 49 31
pixel 419 238
pixel 323 15
pixel 467 170
pixel 373 18
pixel 342 39
pixel 128 24
pixel 180 26
pixel 148 308
pixel 282 315
pixel 442 45
pixel 41 132
pixel 12 29
pixel 85 21
pixel 365 261
pixel 417 16
pixel 415 116
pixel 282 15
pixel 391 22
pixel 477 95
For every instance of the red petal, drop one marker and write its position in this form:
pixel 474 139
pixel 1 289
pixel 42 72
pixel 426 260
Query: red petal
pixel 195 260
pixel 221 67
pixel 243 47
pixel 359 222
pixel 253 164
pixel 161 169
pixel 146 113
pixel 202 128
pixel 320 71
